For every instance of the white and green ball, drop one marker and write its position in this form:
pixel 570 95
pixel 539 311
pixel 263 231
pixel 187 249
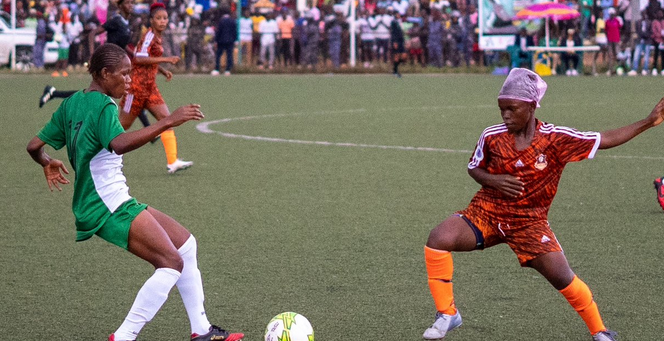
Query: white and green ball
pixel 289 326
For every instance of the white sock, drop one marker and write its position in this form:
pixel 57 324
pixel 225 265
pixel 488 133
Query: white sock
pixel 148 301
pixel 190 286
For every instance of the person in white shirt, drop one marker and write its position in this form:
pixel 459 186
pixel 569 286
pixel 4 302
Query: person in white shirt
pixel 380 23
pixel 64 41
pixel 75 29
pixel 366 39
pixel 246 30
pixel 401 6
pixel 268 30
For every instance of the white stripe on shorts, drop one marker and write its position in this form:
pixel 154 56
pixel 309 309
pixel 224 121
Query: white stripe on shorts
pixel 128 101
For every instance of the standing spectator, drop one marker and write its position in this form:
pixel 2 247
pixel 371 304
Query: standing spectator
pixel 613 26
pixel 600 39
pixel 268 30
pixel 256 19
pixel 63 51
pixel 334 30
pixel 455 37
pixel 40 42
pixel 366 39
pixel 658 40
pixel 465 44
pixel 380 23
pixel 297 35
pixel 246 30
pixel 415 51
pixel 643 44
pixel 75 29
pixel 225 38
pixel 195 43
pixel 586 18
pixel 310 38
pixel 344 55
pixel 570 56
pixel 286 25
pixel 435 39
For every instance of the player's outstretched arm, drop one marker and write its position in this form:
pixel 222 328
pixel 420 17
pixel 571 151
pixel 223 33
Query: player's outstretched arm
pixel 129 141
pixel 616 137
pixel 507 184
pixel 52 167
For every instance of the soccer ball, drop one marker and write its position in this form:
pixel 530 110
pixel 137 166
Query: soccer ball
pixel 620 71
pixel 289 326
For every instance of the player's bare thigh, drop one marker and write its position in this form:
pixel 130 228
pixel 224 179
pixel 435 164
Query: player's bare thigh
pixel 149 240
pixel 176 232
pixel 159 111
pixel 453 234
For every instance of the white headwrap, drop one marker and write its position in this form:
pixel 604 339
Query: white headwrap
pixel 524 85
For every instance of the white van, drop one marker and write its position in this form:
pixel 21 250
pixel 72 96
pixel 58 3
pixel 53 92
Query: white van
pixel 24 40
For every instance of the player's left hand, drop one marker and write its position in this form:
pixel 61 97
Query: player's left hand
pixel 168 75
pixel 53 175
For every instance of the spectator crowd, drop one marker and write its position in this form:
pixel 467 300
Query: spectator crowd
pixel 209 36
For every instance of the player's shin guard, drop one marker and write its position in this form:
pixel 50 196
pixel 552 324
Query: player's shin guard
pixel 170 145
pixel 148 301
pixel 580 298
pixel 439 270
pixel 190 286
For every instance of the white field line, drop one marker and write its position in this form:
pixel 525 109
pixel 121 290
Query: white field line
pixel 204 127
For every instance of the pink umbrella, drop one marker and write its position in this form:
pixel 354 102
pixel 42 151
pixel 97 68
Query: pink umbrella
pixel 547 10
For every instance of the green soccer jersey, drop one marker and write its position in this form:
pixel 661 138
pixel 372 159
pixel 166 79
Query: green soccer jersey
pixel 87 123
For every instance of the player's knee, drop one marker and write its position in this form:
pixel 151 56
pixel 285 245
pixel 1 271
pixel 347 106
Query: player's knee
pixel 172 260
pixel 438 239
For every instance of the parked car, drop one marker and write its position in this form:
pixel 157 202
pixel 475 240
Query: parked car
pixel 24 40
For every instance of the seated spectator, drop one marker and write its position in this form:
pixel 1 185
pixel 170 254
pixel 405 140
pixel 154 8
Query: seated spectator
pixel 570 56
pixel 521 43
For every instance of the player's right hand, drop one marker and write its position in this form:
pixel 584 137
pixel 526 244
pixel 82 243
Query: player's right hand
pixel 174 59
pixel 507 184
pixel 186 113
pixel 53 176
pixel 657 113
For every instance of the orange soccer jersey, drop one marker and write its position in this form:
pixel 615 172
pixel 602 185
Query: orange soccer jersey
pixel 539 167
pixel 143 91
pixel 149 46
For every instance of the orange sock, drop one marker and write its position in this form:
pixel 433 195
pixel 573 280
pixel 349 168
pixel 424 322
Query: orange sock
pixel 580 298
pixel 439 270
pixel 170 145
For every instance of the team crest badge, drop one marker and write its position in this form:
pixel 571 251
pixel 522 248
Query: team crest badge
pixel 541 163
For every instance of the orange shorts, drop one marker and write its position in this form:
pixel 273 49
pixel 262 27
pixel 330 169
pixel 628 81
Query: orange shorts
pixel 528 240
pixel 136 100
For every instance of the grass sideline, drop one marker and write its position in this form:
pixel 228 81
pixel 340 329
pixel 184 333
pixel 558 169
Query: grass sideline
pixel 336 233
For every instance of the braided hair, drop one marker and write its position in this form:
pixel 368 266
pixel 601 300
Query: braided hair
pixel 106 56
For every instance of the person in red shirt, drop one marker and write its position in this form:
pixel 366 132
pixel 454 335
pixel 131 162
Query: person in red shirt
pixel 613 27
pixel 519 164
pixel 144 93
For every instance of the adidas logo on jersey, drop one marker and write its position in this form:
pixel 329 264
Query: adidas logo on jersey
pixel 519 163
pixel 545 239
